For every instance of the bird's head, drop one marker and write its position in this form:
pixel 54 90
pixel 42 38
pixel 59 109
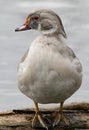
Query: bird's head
pixel 45 21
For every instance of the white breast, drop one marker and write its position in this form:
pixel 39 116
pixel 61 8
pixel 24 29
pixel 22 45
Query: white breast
pixel 46 76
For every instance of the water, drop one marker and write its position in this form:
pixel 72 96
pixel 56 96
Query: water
pixel 75 18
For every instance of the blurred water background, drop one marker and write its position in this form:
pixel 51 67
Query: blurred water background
pixel 75 17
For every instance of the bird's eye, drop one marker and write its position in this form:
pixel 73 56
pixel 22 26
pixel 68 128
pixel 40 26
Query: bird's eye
pixel 36 18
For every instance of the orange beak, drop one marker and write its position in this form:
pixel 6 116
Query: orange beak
pixel 24 26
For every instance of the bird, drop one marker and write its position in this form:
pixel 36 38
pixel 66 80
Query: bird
pixel 49 71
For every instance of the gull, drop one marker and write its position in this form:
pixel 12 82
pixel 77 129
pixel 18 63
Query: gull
pixel 49 72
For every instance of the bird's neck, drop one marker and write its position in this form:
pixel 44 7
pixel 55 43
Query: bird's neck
pixel 48 39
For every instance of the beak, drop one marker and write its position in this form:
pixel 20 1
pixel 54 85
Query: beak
pixel 24 26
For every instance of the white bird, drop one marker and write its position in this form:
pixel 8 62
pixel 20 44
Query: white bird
pixel 49 72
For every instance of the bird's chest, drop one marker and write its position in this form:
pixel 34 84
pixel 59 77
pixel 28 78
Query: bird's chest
pixel 39 65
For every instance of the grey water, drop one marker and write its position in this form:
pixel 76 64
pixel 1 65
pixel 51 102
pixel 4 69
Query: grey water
pixel 75 17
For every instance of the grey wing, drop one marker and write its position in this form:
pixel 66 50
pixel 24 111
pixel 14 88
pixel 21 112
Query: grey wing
pixel 23 58
pixel 67 52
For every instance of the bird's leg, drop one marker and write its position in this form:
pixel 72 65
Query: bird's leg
pixel 38 117
pixel 59 116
